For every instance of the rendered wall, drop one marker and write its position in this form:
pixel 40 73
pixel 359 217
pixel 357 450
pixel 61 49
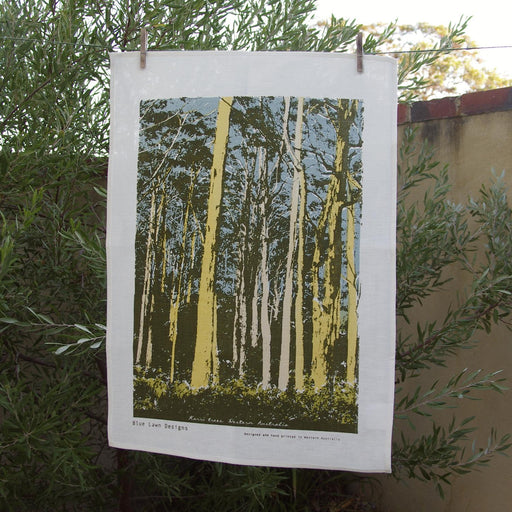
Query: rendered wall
pixel 473 135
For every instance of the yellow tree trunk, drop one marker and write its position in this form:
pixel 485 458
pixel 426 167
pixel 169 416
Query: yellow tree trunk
pixel 215 358
pixel 254 311
pixel 327 320
pixel 327 306
pixel 163 277
pixel 352 298
pixel 149 342
pixel 204 365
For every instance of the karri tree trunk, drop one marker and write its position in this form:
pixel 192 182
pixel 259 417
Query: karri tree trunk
pixel 326 269
pixel 266 333
pixel 266 336
pixel 352 297
pixel 240 315
pixel 259 212
pixel 286 331
pixel 146 284
pixel 158 221
pixel 299 300
pixel 205 365
pixel 176 294
pixel 191 266
pixel 254 264
pixel 327 305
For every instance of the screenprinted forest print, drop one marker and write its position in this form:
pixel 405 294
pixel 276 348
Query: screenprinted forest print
pixel 247 251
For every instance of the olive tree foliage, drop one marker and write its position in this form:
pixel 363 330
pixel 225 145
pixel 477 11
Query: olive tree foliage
pixel 53 163
pixel 437 240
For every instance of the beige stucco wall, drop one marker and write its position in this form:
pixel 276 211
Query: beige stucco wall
pixel 472 146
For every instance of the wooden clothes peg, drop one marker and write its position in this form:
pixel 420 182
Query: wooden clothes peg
pixel 359 52
pixel 143 47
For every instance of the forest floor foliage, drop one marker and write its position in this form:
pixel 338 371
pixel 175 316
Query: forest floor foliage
pixel 236 402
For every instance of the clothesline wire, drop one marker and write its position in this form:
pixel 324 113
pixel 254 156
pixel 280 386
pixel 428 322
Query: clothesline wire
pixel 467 48
pixel 390 52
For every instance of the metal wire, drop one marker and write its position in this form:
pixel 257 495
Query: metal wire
pixel 390 52
pixel 441 50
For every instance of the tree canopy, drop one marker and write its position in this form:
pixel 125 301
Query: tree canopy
pixel 452 72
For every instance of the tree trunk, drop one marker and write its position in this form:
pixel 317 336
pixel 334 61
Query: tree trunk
pixel 175 295
pixel 152 284
pixel 327 306
pixel 240 316
pixel 266 335
pixel 327 321
pixel 266 340
pixel 299 300
pixel 144 300
pixel 204 365
pixel 191 269
pixel 284 360
pixel 352 298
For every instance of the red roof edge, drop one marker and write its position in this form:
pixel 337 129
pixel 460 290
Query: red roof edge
pixel 480 102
